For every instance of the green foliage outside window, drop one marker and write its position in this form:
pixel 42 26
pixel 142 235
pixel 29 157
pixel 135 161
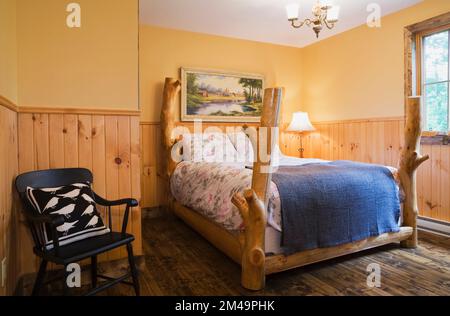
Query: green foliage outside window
pixel 436 81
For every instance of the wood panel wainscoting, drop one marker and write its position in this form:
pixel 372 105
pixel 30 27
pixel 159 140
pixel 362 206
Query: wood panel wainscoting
pixel 8 213
pixel 377 140
pixel 106 142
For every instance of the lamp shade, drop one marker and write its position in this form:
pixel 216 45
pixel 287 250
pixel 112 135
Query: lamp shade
pixel 333 14
pixel 300 123
pixel 292 11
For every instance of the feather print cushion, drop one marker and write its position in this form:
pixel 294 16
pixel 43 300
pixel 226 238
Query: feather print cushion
pixel 76 203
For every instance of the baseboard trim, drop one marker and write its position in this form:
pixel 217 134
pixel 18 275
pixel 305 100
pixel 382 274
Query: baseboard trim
pixel 434 226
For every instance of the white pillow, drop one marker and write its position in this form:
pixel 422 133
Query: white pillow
pixel 208 147
pixel 244 148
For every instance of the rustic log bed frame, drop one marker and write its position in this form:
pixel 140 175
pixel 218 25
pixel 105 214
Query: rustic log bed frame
pixel 247 248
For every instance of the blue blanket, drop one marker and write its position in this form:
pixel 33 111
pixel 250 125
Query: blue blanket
pixel 335 203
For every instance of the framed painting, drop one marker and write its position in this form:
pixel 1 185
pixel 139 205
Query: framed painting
pixel 215 96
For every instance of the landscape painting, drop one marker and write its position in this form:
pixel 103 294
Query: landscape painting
pixel 221 97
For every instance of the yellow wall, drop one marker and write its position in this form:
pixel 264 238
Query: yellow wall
pixel 94 66
pixel 359 73
pixel 164 51
pixel 356 74
pixel 8 50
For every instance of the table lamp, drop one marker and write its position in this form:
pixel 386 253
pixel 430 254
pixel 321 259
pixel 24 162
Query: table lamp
pixel 300 123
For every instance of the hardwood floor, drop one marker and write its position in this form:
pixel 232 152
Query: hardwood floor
pixel 178 261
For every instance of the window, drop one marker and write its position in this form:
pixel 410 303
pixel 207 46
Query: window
pixel 433 77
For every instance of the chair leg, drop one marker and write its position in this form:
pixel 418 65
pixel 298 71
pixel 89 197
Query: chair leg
pixel 39 278
pixel 134 272
pixel 64 284
pixel 94 271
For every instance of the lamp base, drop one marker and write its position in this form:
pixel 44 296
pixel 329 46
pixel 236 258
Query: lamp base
pixel 301 151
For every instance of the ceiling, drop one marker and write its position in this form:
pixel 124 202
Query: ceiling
pixel 258 20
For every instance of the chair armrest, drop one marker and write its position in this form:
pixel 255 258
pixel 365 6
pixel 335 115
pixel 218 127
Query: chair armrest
pixel 53 220
pixel 105 202
pixel 128 202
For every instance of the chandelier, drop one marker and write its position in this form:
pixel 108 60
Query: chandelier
pixel 324 15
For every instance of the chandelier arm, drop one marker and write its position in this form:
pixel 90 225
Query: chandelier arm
pixel 329 25
pixel 308 22
pixel 297 26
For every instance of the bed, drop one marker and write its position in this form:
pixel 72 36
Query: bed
pixel 241 215
pixel 207 188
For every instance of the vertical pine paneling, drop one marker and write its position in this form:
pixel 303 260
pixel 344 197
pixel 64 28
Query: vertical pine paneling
pixel 41 141
pixel 85 141
pixel 99 151
pixel 56 136
pixel 436 181
pixel 379 142
pixel 27 263
pixel 427 184
pixel 99 163
pixel 420 188
pixel 395 141
pixel 149 166
pixel 363 146
pixel 26 143
pixel 335 140
pixel 70 141
pixel 161 190
pixel 445 183
pixel 112 176
pixel 325 143
pixel 124 149
pixel 388 143
pixel 135 163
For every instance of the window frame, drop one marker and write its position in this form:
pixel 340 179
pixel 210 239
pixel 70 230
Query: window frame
pixel 419 78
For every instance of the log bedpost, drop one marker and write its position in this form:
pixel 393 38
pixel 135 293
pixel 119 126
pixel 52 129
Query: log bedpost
pixel 253 205
pixel 409 162
pixel 171 89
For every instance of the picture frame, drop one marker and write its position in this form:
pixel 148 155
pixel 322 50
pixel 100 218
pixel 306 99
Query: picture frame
pixel 221 96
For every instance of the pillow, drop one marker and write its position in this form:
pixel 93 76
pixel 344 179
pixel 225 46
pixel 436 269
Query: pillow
pixel 243 146
pixel 208 147
pixel 76 203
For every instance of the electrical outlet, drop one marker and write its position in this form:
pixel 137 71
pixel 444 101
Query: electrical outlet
pixel 3 271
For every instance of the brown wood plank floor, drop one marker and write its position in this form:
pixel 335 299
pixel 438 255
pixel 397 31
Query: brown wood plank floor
pixel 178 261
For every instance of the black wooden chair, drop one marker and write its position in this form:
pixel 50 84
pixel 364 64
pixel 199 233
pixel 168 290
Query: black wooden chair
pixel 88 248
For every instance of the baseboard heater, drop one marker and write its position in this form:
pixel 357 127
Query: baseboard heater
pixel 433 226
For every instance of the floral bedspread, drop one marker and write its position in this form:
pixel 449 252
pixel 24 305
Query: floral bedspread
pixel 207 187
